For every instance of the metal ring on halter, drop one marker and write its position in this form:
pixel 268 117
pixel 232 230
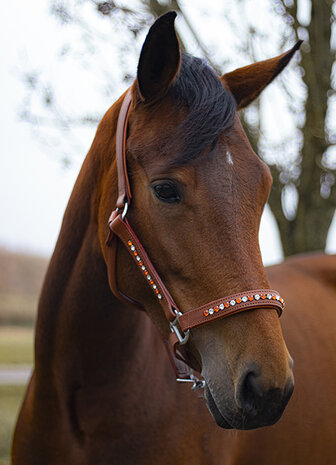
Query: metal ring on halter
pixel 124 211
pixel 182 338
pixel 197 383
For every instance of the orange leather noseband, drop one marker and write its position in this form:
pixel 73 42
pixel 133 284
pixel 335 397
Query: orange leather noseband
pixel 180 323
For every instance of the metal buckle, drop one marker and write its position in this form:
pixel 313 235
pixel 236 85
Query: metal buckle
pixel 197 383
pixel 124 211
pixel 182 338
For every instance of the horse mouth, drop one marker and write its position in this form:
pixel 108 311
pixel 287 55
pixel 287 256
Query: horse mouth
pixel 218 417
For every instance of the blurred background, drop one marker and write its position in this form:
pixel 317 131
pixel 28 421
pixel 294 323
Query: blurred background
pixel 64 62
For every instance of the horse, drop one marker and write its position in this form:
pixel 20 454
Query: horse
pixel 103 390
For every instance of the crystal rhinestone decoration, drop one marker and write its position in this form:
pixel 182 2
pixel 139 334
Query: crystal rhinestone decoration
pixel 242 300
pixel 143 268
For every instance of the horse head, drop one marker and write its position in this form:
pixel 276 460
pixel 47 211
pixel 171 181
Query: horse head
pixel 198 195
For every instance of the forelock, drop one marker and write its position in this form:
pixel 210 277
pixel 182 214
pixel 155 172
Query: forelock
pixel 210 107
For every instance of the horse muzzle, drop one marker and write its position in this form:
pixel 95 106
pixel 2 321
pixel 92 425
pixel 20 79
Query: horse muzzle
pixel 250 405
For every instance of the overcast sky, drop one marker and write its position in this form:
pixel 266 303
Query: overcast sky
pixel 34 186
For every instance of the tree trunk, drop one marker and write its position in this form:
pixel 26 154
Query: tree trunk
pixel 308 230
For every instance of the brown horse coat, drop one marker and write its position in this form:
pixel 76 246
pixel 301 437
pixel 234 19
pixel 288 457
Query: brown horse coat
pixel 103 391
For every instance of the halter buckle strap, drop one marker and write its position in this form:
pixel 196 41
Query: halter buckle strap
pixel 180 323
pixel 175 328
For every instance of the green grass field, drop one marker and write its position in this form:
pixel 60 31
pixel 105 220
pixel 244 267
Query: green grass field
pixel 10 401
pixel 16 348
pixel 21 277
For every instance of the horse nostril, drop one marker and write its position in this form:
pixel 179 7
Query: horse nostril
pixel 254 399
pixel 249 393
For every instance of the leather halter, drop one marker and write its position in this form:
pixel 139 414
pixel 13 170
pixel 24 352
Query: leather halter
pixel 180 323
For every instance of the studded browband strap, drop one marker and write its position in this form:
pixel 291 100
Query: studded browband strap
pixel 119 228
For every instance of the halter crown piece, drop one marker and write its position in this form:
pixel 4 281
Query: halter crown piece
pixel 180 323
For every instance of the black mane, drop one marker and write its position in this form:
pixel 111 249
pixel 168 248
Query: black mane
pixel 211 107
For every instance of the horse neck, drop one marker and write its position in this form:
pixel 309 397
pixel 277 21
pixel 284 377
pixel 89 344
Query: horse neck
pixel 81 326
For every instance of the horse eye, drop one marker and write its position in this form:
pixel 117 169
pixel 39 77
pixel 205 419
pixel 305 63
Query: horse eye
pixel 166 192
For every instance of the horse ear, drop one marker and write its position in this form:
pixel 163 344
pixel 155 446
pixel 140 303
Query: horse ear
pixel 247 83
pixel 159 59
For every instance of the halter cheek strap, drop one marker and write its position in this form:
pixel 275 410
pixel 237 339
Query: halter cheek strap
pixel 124 189
pixel 180 323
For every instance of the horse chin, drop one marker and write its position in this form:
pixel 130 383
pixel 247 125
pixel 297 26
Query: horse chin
pixel 218 417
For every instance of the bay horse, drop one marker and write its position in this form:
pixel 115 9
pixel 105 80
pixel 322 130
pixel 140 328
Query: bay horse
pixel 103 390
